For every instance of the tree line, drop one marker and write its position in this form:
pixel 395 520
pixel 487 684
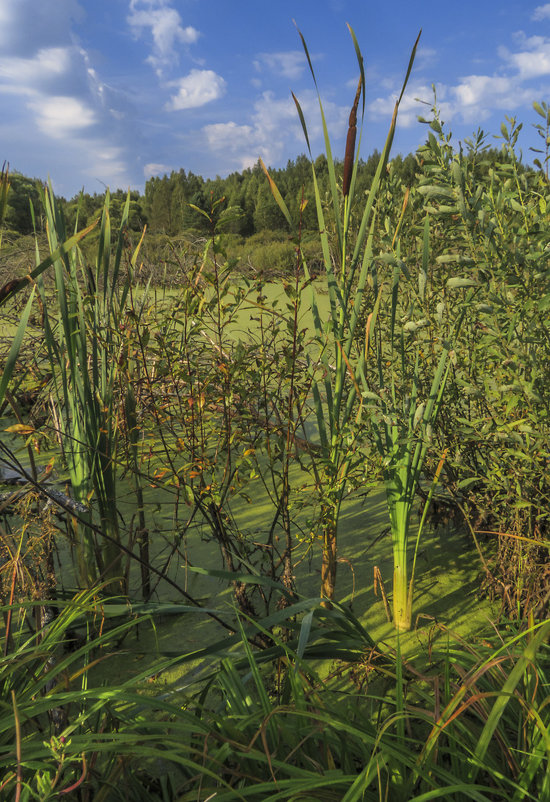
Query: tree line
pixel 166 206
pixel 170 203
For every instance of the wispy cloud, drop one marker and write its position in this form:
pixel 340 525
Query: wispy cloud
pixel 60 117
pixel 155 168
pixel 239 142
pixel 412 104
pixel 274 124
pixel 31 73
pixel 290 63
pixel 196 89
pixel 426 56
pixel 532 60
pixel 165 26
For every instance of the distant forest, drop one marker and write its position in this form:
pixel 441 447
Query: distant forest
pixel 248 207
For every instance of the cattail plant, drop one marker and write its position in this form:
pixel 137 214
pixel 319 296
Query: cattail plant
pixel 347 263
pixel 402 420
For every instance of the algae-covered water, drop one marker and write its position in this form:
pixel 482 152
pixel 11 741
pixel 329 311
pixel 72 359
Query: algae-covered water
pixel 446 588
pixel 447 569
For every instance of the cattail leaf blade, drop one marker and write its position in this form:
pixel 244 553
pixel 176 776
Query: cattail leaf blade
pixel 303 121
pixel 361 63
pixel 277 195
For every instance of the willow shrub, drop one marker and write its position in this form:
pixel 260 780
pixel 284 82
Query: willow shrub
pixel 492 215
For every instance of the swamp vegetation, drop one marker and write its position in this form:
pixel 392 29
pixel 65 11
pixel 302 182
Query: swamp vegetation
pixel 195 480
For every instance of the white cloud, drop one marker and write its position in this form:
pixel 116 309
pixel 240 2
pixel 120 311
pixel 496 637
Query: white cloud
pixel 412 104
pixel 290 63
pixel 166 28
pixel 541 12
pixel 533 59
pixel 228 135
pixel 475 97
pixel 196 89
pixel 273 113
pixel 239 142
pixel 105 163
pixel 154 168
pixel 47 63
pixel 274 124
pixel 61 117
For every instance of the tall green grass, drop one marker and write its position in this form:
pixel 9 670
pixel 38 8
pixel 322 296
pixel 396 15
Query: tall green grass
pixel 321 715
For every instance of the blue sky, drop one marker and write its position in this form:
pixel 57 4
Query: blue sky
pixel 110 92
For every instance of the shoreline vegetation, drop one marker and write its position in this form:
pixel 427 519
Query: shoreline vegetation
pixel 244 423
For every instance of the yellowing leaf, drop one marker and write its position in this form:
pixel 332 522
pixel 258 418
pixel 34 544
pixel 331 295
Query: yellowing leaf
pixel 20 428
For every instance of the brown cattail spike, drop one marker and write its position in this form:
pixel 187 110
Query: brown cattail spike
pixel 350 143
pixel 8 289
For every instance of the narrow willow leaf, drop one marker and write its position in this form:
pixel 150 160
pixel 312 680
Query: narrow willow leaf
pixel 20 428
pixel 457 282
pixel 200 211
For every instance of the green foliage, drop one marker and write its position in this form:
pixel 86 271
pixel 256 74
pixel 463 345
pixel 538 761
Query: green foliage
pixel 424 363
pixel 24 193
pixel 272 258
pixel 83 348
pixel 493 217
